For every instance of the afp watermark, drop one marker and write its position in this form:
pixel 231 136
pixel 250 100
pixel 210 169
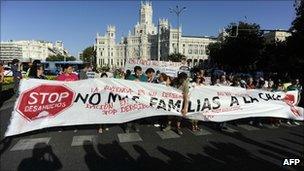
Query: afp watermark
pixel 291 162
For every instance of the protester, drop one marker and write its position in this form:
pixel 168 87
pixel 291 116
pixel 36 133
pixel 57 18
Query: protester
pixel 152 79
pixel 32 71
pixel 157 73
pixel 216 82
pixel 250 83
pixel 198 81
pixel 67 74
pixel 127 75
pixel 181 83
pixel 199 73
pixel 1 76
pixel 109 74
pixel 138 76
pixel 83 72
pixel 223 81
pixel 16 74
pixel 162 79
pixel 278 86
pixel 104 75
pixel 102 127
pixel 36 71
pixel 270 84
pixel 150 75
pixel 39 72
pixel 236 82
pixel 119 74
pixel 294 86
pixel 263 84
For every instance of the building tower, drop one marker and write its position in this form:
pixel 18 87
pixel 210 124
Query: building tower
pixel 146 13
pixel 111 32
pixel 163 33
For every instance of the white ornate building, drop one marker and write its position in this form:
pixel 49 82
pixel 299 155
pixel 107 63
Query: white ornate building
pixel 147 41
pixel 29 50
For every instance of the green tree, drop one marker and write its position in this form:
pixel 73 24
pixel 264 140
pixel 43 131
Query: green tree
pixel 298 23
pixel 71 58
pixel 215 52
pixel 274 57
pixel 176 57
pixel 88 55
pixel 242 50
pixel 295 42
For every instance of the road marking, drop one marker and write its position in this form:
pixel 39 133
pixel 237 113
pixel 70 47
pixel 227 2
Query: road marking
pixel 248 127
pixel 79 140
pixel 230 130
pixel 129 137
pixel 269 126
pixel 200 132
pixel 28 144
pixel 167 134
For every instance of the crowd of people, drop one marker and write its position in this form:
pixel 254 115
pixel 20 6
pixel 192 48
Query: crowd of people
pixel 184 82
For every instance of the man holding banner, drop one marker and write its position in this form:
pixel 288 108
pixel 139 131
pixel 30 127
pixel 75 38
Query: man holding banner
pixel 137 76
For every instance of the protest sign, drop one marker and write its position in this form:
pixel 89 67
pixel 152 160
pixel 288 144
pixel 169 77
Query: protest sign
pixel 45 103
pixel 170 68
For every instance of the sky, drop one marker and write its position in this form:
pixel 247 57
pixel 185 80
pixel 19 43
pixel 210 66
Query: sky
pixel 77 22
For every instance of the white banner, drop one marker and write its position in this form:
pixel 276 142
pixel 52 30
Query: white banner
pixel 170 68
pixel 44 103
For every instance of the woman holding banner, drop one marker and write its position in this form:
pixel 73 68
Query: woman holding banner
pixel 198 81
pixel 67 75
pixel 182 83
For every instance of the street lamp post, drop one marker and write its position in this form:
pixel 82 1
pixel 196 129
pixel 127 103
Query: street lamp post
pixel 178 11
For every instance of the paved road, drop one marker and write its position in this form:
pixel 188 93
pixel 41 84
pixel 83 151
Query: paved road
pixel 241 147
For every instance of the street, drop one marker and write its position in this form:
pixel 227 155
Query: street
pixel 241 147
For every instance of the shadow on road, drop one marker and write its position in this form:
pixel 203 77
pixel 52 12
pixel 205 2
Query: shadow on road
pixel 43 158
pixel 4 144
pixel 146 162
pixel 5 95
pixel 93 160
pixel 217 156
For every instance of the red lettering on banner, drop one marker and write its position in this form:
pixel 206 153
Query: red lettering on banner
pixel 152 93
pixel 141 92
pixel 172 95
pixel 132 107
pixel 95 90
pixel 106 106
pixel 123 102
pixel 222 93
pixel 115 89
pixel 110 112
